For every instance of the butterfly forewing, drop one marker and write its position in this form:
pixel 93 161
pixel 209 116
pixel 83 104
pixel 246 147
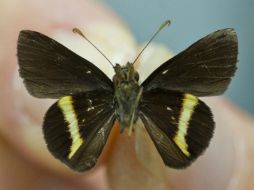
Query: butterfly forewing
pixel 179 124
pixel 76 128
pixel 203 69
pixel 50 70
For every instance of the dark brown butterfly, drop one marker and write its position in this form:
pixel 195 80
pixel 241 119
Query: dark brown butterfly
pixel 77 126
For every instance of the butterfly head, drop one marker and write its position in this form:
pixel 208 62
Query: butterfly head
pixel 127 94
pixel 125 74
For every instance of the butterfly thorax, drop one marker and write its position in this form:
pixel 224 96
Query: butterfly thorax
pixel 127 94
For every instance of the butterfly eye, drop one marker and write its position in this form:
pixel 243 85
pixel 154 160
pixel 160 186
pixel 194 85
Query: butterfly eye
pixel 125 76
pixel 136 76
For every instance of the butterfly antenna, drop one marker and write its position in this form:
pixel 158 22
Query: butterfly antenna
pixel 163 25
pixel 77 31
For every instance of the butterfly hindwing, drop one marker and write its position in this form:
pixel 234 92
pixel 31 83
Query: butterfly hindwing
pixel 179 124
pixel 76 128
pixel 203 69
pixel 51 70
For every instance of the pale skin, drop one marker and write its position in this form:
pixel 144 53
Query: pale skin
pixel 226 164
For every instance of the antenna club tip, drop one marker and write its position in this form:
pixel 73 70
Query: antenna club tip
pixel 75 30
pixel 78 31
pixel 164 24
pixel 167 22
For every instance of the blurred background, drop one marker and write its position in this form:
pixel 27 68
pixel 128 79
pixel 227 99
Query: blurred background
pixel 192 20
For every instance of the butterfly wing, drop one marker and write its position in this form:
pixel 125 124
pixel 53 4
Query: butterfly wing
pixel 203 69
pixel 50 70
pixel 76 128
pixel 180 125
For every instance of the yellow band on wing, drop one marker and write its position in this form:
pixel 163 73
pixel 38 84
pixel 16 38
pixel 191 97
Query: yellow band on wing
pixel 189 104
pixel 65 104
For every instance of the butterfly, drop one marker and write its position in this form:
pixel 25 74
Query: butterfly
pixel 77 125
